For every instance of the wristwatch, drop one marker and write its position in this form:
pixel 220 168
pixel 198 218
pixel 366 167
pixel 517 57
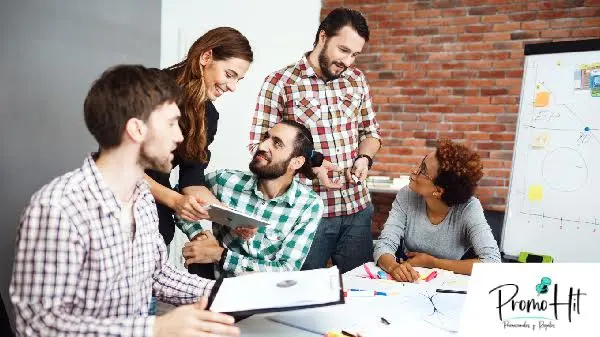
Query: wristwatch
pixel 365 156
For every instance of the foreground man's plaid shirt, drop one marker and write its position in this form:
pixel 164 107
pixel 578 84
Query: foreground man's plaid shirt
pixel 282 246
pixel 339 115
pixel 77 273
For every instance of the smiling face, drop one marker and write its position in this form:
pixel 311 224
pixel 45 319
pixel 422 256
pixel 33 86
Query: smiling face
pixel 339 52
pixel 221 76
pixel 423 176
pixel 273 158
pixel 163 135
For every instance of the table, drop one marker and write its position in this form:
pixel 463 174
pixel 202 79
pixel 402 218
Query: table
pixel 402 309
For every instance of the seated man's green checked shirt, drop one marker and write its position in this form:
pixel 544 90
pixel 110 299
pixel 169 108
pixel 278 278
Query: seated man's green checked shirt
pixel 281 246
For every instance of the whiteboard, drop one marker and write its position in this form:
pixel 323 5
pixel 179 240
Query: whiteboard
pixel 554 202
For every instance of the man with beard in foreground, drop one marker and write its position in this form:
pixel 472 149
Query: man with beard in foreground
pixel 272 194
pixel 326 93
pixel 89 255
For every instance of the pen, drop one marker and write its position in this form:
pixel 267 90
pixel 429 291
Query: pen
pixel 374 291
pixel 448 291
pixel 365 293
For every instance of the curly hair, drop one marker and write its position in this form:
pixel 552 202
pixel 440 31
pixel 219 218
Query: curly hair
pixel 459 171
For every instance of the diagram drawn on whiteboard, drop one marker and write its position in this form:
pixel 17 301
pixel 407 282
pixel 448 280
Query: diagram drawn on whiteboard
pixel 556 179
pixel 557 158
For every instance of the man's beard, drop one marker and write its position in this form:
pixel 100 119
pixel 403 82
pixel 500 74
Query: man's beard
pixel 271 170
pixel 148 161
pixel 325 63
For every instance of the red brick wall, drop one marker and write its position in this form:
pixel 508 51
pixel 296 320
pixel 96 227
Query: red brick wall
pixel 453 68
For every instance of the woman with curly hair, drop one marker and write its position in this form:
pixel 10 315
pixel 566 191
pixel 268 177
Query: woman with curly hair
pixel 437 217
pixel 214 65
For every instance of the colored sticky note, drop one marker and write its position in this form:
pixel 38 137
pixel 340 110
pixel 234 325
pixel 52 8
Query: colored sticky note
pixel 542 98
pixel 536 192
pixel 540 140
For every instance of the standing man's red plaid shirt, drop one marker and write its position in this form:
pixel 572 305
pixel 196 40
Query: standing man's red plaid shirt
pixel 339 115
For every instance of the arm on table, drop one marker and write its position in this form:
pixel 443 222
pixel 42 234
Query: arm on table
pixel 176 286
pixel 390 241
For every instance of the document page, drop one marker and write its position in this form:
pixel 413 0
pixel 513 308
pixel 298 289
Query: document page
pixel 258 291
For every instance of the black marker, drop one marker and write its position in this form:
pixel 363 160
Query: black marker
pixel 385 321
pixel 448 291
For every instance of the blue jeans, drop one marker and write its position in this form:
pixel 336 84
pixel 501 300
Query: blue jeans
pixel 345 239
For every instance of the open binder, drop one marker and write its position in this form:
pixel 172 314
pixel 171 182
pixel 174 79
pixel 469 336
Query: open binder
pixel 264 292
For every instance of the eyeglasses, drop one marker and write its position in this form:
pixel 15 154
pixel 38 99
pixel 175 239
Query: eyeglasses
pixel 423 170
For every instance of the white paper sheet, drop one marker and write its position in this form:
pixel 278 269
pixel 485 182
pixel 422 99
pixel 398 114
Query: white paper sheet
pixel 277 290
pixel 413 308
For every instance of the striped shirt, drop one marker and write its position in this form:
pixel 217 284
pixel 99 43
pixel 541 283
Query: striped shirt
pixel 339 115
pixel 282 246
pixel 79 272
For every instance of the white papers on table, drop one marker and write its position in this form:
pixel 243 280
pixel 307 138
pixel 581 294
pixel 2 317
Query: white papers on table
pixel 413 310
pixel 259 291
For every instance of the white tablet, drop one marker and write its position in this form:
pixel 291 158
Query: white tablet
pixel 231 218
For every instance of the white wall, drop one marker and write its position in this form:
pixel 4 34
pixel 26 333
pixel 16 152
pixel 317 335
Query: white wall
pixel 279 31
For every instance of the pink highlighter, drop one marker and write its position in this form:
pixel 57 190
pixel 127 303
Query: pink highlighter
pixel 371 276
pixel 431 276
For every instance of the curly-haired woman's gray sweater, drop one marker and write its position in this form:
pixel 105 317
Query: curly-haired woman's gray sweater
pixel 465 226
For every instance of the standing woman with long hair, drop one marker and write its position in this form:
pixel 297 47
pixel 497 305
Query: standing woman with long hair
pixel 214 65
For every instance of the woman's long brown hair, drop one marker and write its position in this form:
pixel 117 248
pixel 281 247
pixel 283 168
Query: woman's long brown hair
pixel 225 43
